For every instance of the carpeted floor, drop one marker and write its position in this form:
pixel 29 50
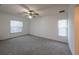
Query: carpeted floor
pixel 31 45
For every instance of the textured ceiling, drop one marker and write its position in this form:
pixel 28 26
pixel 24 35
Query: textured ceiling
pixel 42 9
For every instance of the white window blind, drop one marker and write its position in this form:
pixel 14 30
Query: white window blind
pixel 16 26
pixel 62 26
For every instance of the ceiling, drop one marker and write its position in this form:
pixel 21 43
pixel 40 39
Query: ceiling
pixel 42 9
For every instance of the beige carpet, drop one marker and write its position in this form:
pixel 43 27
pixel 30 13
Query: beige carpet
pixel 31 45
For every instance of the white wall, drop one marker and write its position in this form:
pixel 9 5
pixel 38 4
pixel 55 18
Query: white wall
pixel 71 29
pixel 5 26
pixel 47 25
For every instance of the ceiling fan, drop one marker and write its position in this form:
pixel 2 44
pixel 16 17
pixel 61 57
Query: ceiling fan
pixel 30 13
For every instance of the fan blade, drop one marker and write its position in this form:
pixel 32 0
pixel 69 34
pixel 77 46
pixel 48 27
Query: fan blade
pixel 36 14
pixel 24 6
pixel 23 13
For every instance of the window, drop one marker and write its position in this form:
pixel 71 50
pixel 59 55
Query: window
pixel 62 26
pixel 16 26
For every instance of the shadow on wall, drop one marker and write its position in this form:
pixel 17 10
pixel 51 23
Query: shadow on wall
pixel 0 37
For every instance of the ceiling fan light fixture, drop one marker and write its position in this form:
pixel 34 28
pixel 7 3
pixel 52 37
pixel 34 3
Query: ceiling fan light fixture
pixel 30 16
